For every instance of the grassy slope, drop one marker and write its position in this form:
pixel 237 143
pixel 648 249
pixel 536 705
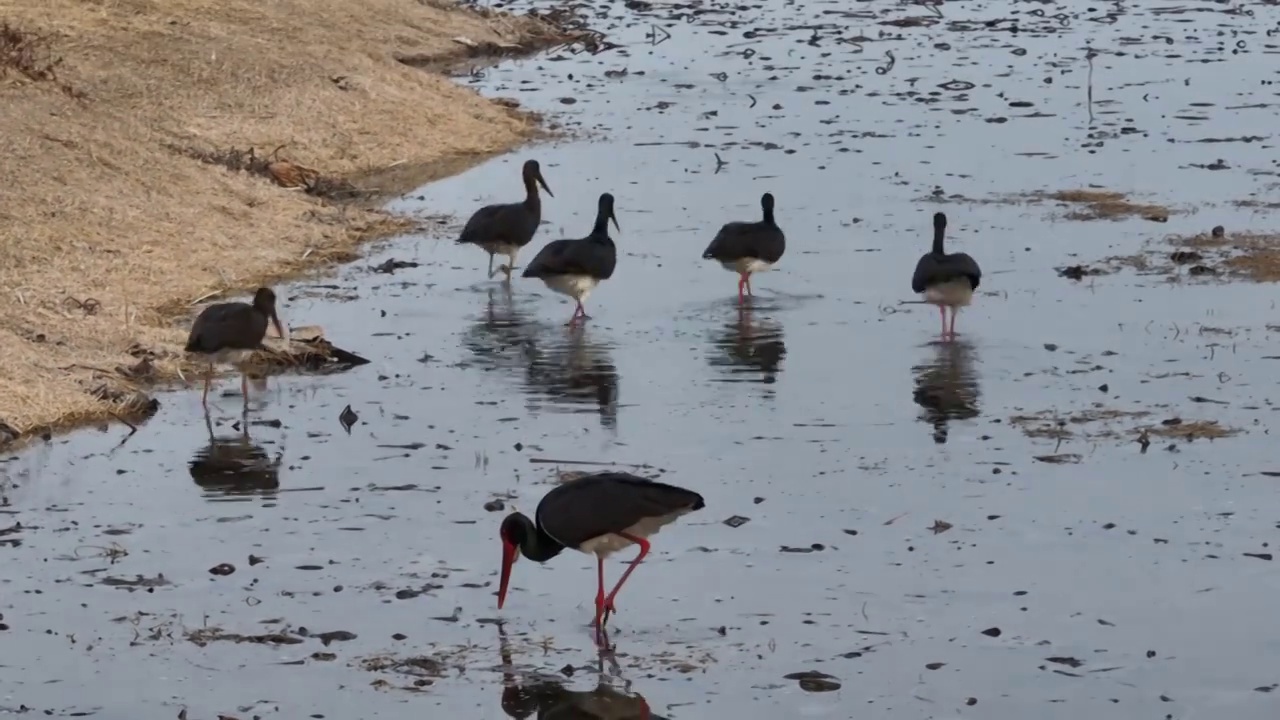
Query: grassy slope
pixel 95 203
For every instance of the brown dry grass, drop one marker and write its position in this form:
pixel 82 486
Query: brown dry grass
pixel 1094 422
pixel 107 235
pixel 1192 430
pixel 1104 205
pixel 1226 256
pixel 1084 204
pixel 1100 422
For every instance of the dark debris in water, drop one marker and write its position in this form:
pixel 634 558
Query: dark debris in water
pixel 814 681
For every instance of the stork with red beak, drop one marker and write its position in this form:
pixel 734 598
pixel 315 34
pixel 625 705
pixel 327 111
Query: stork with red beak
pixel 599 515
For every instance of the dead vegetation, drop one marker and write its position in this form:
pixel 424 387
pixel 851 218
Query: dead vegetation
pixel 1101 205
pixel 1216 254
pixel 1103 423
pixel 161 155
pixel 1080 204
pixel 30 55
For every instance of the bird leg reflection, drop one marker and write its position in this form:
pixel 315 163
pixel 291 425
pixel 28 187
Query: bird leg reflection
pixel 579 313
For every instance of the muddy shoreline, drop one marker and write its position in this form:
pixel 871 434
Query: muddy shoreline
pixel 88 366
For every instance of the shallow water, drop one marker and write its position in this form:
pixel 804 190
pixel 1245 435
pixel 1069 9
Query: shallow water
pixel 826 413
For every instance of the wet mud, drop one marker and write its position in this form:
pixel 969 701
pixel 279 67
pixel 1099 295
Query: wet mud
pixel 1065 512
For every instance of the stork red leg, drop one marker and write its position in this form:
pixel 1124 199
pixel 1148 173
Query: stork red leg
pixel 742 282
pixel 942 311
pixel 644 550
pixel 954 312
pixel 748 283
pixel 599 598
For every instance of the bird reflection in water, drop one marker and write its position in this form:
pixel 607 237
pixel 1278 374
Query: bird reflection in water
pixel 750 349
pixel 575 372
pixel 234 466
pixel 542 696
pixel 504 336
pixel 947 387
pixel 562 365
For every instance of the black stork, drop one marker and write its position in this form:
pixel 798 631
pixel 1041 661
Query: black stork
pixel 597 514
pixel 229 332
pixel 748 247
pixel 947 281
pixel 576 267
pixel 504 229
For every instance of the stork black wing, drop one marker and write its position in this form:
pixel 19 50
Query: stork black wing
pixel 606 503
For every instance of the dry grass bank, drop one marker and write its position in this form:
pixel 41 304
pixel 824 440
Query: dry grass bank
pixel 110 229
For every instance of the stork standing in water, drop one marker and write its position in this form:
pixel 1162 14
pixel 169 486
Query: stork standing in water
pixel 748 247
pixel 229 332
pixel 947 281
pixel 598 515
pixel 576 267
pixel 504 229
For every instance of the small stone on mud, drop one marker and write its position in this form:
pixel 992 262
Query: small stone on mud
pixel 971 701
pixel 737 521
pixel 399 636
pixel 1260 556
pixel 323 656
pixel 495 505
pixel 850 532
pixel 222 569
pixel 934 665
pixel 334 636
pixel 255 560
pixel 940 526
pixel 992 632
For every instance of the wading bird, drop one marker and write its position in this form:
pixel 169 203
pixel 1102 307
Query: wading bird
pixel 947 281
pixel 229 332
pixel 748 247
pixel 504 229
pixel 599 515
pixel 576 267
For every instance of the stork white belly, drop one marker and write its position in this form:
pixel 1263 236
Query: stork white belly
pixel 228 356
pixel 953 293
pixel 500 248
pixel 607 544
pixel 578 287
pixel 746 265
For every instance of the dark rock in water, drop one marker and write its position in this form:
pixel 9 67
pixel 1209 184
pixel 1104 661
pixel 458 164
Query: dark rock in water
pixel 814 681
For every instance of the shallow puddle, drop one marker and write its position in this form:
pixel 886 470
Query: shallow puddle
pixel 909 549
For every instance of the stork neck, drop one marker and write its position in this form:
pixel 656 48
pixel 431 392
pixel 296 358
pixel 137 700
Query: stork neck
pixel 938 234
pixel 601 228
pixel 768 217
pixel 536 544
pixel 531 192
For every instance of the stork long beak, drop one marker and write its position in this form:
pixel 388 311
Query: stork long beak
pixel 614 218
pixel 543 183
pixel 508 559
